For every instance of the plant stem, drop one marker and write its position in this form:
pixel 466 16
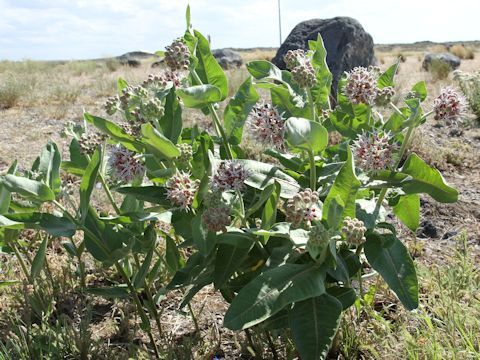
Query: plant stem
pixel 194 318
pixel 272 345
pixel 312 104
pixel 250 341
pixel 22 263
pixel 150 298
pixel 397 110
pixel 313 171
pixel 216 120
pixel 140 308
pixel 360 281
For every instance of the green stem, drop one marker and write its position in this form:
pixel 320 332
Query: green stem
pixel 22 263
pixel 150 298
pixel 312 104
pixel 216 121
pixel 313 171
pixel 398 111
pixel 105 185
pixel 359 274
pixel 194 318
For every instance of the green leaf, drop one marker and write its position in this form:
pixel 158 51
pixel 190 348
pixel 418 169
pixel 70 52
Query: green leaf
pixel 407 210
pixel 237 111
pixel 121 84
pixel 53 225
pixel 288 103
pixel 386 79
pixel 171 123
pixel 271 291
pixel 151 193
pixel 314 323
pixel 27 188
pixel 172 255
pixel 5 195
pixel 208 69
pixel 269 213
pixel 264 196
pixel 420 90
pixel 49 166
pixel 261 69
pixel 115 132
pixel 88 182
pixel 158 144
pixel 303 134
pixel 262 175
pixel 387 255
pixel 346 296
pixel 344 190
pixel 113 292
pixel 204 240
pixel 231 253
pixel 199 96
pixel 39 259
pixel 321 91
pixel 427 179
pixel 139 278
pixel 5 283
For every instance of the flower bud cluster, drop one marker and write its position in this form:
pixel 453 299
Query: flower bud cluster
pixel 374 151
pixel 181 189
pixel 123 165
pixel 160 81
pixel 318 240
pixel 229 175
pixel 384 96
pixel 303 208
pixel 177 55
pixel 186 154
pixel 112 104
pixel 449 106
pixel 353 231
pixel 89 142
pixel 301 67
pixel 267 125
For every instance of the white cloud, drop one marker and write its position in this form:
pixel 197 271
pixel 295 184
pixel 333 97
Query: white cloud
pixel 45 29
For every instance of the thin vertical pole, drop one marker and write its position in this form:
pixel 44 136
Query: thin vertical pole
pixel 279 23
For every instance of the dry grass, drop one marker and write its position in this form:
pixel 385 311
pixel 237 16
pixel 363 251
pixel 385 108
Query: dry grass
pixel 463 52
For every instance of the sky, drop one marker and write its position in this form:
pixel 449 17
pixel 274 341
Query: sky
pixel 84 29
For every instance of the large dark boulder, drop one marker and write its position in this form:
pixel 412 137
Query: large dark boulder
pixel 447 58
pixel 346 42
pixel 227 58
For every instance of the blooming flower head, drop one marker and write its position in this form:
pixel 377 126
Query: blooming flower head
pixel 177 55
pixel 361 86
pixel 181 189
pixel 449 106
pixel 318 240
pixel 354 231
pixel 230 175
pixel 267 125
pixel 303 208
pixel 217 218
pixel 373 151
pixel 123 165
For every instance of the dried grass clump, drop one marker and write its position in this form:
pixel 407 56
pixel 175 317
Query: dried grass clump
pixel 464 53
pixel 470 85
pixel 439 70
pixel 11 91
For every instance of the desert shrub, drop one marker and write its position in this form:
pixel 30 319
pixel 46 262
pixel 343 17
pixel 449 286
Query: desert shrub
pixel 439 69
pixel 470 85
pixel 11 90
pixel 112 64
pixel 462 52
pixel 288 245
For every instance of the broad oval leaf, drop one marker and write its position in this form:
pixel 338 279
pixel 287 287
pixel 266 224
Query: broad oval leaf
pixel 270 292
pixel 387 255
pixel 199 96
pixel 304 134
pixel 27 188
pixel 157 143
pixel 314 323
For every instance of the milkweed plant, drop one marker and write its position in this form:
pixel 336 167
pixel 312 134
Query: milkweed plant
pixel 287 242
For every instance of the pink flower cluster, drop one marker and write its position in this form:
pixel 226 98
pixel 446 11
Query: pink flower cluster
pixel 374 151
pixel 301 67
pixel 177 55
pixel 361 86
pixel 449 106
pixel 230 175
pixel 267 125
pixel 124 165
pixel 181 189
pixel 217 218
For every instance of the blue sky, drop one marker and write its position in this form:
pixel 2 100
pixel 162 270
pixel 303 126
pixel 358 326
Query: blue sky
pixel 81 29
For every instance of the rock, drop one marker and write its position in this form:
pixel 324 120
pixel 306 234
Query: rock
pixel 130 62
pixel 447 58
pixel 346 42
pixel 227 58
pixel 427 230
